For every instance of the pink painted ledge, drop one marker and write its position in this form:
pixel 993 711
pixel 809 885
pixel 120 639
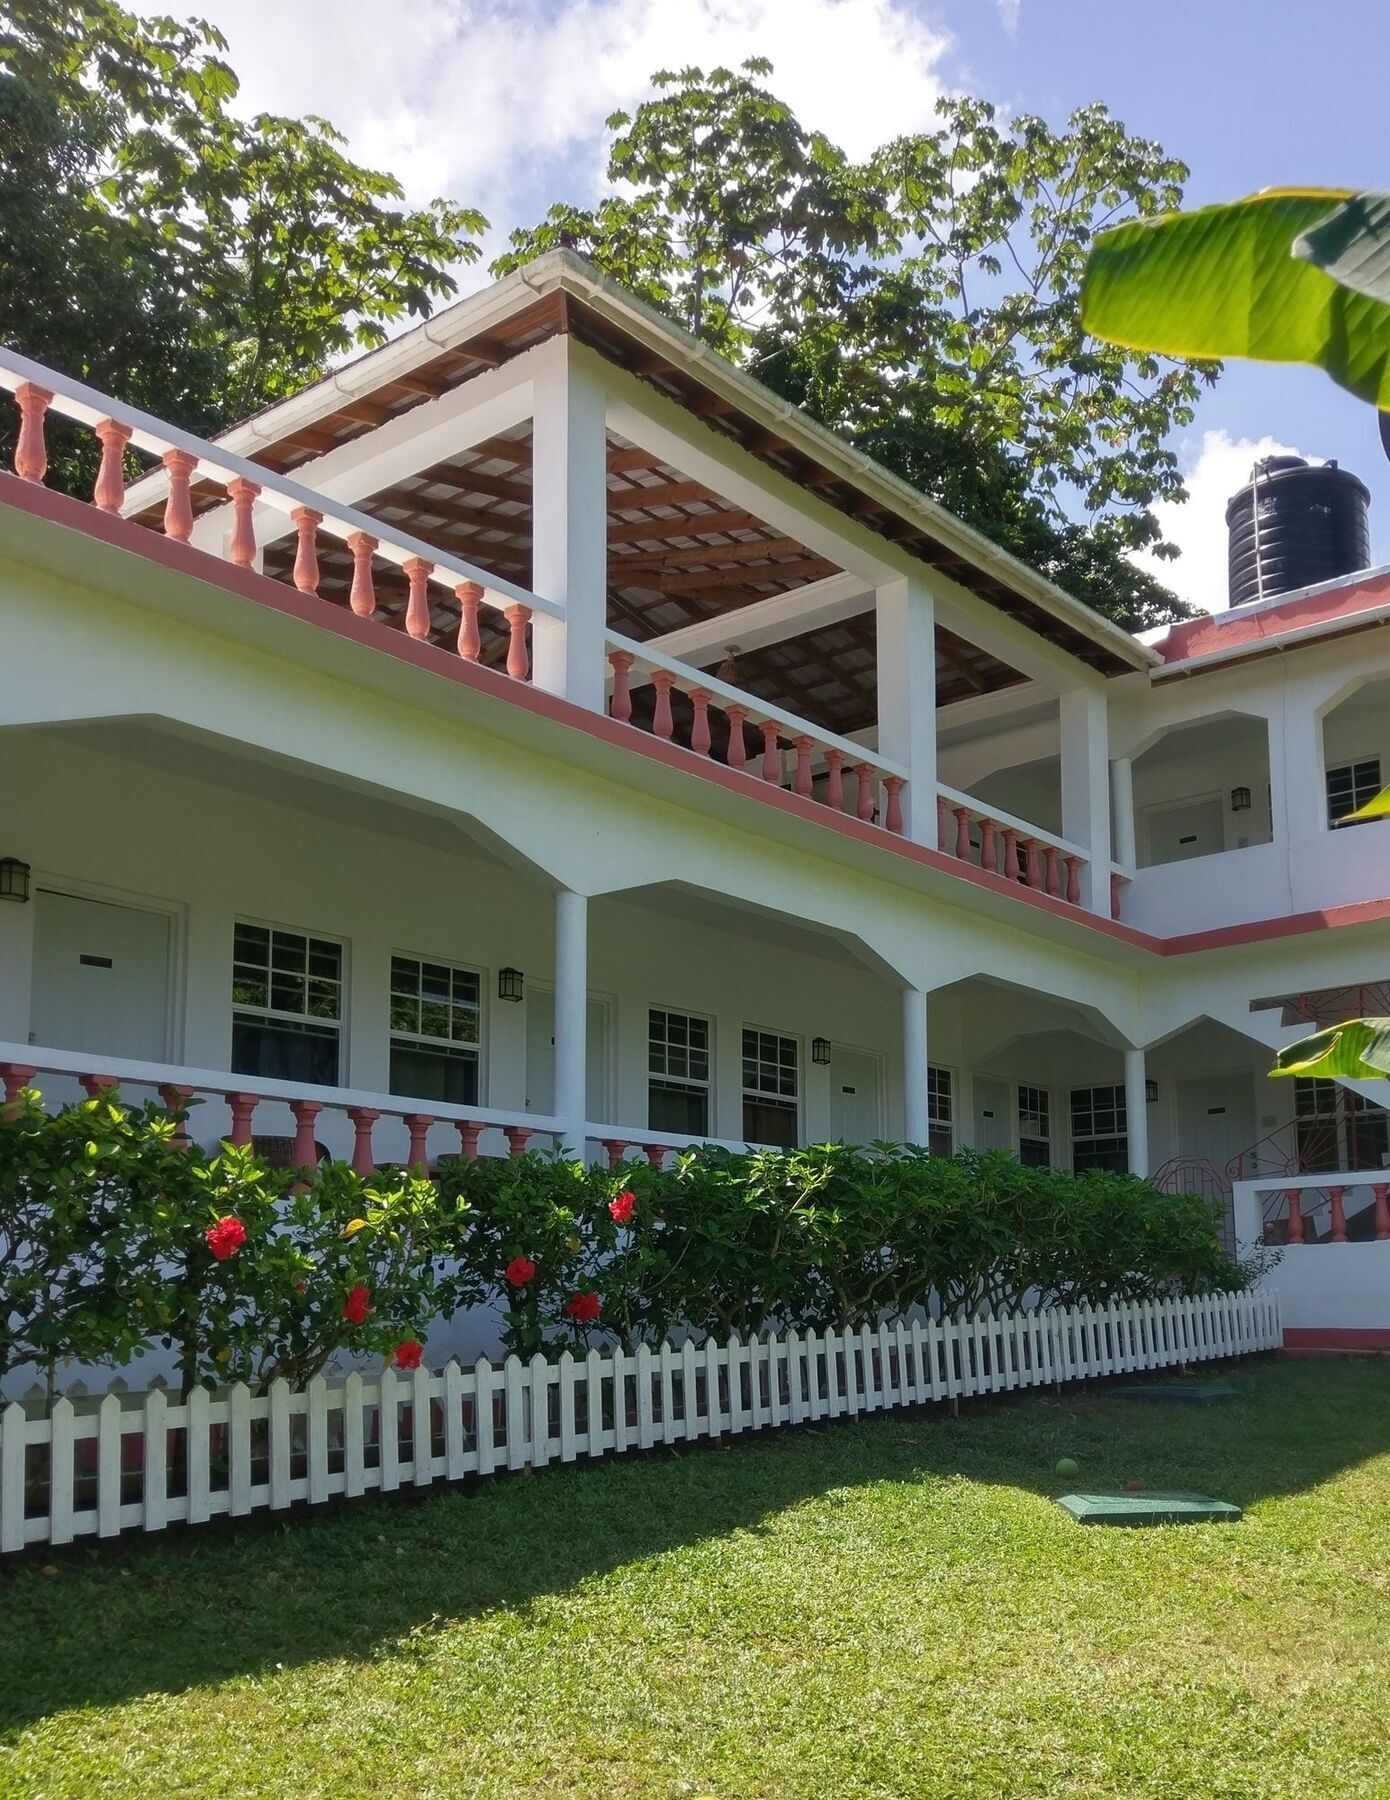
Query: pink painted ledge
pixel 138 540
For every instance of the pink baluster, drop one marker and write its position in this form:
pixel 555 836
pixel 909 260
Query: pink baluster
pixel 30 450
pixel 700 739
pixel 306 550
pixel 1380 1194
pixel 97 1085
pixel 418 1125
pixel 621 662
pixel 1034 852
pixel 469 1131
pixel 835 780
pixel 362 593
pixel 468 594
pixel 16 1077
pixel 306 1150
pixel 363 1118
pixel 772 756
pixel 663 724
pixel 176 1097
pixel 1074 880
pixel 518 1137
pixel 738 750
pixel 893 814
pixel 243 1108
pixel 518 661
pixel 1114 896
pixel 417 606
pixel 178 507
pixel 1295 1216
pixel 616 1148
pixel 109 491
pixel 1054 871
pixel 1337 1197
pixel 801 781
pixel 241 546
pixel 988 856
pixel 864 806
pixel 656 1154
pixel 1010 854
pixel 962 832
pixel 941 827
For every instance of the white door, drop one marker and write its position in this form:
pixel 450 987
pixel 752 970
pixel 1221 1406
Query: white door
pixel 101 978
pixel 540 1054
pixel 994 1125
pixel 1216 1117
pixel 856 1105
pixel 1192 828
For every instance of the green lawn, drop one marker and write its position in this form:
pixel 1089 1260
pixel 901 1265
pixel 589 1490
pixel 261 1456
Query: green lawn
pixel 887 1608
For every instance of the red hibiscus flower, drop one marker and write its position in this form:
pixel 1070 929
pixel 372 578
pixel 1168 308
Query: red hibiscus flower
pixel 620 1210
pixel 583 1308
pixel 520 1270
pixel 408 1354
pixel 225 1238
pixel 357 1305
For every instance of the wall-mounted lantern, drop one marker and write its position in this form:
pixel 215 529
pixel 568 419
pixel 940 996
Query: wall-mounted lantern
pixel 1240 799
pixel 820 1050
pixel 511 984
pixel 1151 1091
pixel 14 879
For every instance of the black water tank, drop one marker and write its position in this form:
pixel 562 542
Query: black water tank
pixel 1294 525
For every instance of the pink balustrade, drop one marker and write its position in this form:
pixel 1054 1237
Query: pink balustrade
pixel 783 751
pixel 1001 845
pixel 1329 1210
pixel 125 434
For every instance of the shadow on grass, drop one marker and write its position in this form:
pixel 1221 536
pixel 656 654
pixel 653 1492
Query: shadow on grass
pixel 164 1615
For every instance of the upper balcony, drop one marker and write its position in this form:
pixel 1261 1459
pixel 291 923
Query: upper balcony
pixel 553 483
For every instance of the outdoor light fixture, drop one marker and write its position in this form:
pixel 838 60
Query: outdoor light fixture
pixel 1151 1091
pixel 820 1050
pixel 511 984
pixel 14 879
pixel 1240 799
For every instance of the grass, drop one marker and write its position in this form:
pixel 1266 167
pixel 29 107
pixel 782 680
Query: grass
pixel 886 1608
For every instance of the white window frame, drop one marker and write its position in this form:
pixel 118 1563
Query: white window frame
pixel 272 1015
pixel 765 1096
pixel 690 1083
pixel 424 1040
pixel 1117 1088
pixel 1047 1138
pixel 941 1120
pixel 1348 767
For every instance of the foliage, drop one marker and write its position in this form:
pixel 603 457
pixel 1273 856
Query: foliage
pixel 1290 275
pixel 923 302
pixel 160 246
pixel 1357 1049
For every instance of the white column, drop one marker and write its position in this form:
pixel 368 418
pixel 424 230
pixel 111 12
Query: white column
pixel 571 1016
pixel 915 1122
pixel 1136 1112
pixel 1122 790
pixel 1086 789
pixel 905 616
pixel 569 558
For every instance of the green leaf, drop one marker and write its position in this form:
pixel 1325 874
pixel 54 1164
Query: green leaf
pixel 1357 1048
pixel 1223 281
pixel 1352 245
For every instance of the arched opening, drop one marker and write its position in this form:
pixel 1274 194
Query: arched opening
pixel 1202 788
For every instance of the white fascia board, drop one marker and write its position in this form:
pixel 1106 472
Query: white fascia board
pixel 417 440
pixel 770 621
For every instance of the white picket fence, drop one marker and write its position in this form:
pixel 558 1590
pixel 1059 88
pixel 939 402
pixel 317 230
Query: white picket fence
pixel 143 1462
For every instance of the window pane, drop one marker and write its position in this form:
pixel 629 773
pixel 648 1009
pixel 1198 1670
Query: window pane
pixel 769 1122
pixel 284 1051
pixel 425 1072
pixel 671 1107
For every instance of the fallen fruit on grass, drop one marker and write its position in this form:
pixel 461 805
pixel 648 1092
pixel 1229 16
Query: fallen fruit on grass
pixel 1067 1465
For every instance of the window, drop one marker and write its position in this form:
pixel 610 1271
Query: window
pixel 1034 1127
pixel 770 1088
pixel 1099 1129
pixel 678 1064
pixel 1350 786
pixel 940 1132
pixel 1335 1128
pixel 436 1030
pixel 287 1005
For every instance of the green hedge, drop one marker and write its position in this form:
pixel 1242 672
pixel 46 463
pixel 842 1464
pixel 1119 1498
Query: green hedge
pixel 115 1232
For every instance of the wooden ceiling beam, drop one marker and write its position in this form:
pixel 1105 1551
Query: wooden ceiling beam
pixel 814 569
pixel 623 531
pixel 670 493
pixel 714 553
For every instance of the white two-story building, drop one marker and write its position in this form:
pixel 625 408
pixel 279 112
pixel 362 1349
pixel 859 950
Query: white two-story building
pixel 536 732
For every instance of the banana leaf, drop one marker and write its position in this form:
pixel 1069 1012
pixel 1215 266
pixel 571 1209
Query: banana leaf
pixel 1358 1048
pixel 1352 245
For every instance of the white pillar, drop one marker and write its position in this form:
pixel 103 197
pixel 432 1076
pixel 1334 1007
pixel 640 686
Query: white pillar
pixel 1136 1112
pixel 1122 789
pixel 905 617
pixel 569 558
pixel 571 1017
pixel 1086 789
pixel 916 1127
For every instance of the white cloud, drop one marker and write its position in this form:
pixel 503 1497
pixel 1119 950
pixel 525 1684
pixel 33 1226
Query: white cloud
pixel 1198 526
pixel 502 105
pixel 1008 14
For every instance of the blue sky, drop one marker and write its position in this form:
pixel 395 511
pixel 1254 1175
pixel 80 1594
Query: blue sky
pixel 500 103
